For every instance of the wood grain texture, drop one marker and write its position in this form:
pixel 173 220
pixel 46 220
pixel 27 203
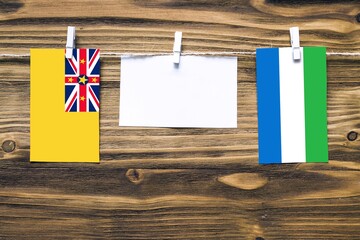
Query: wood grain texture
pixel 168 183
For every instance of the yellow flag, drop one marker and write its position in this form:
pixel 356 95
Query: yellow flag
pixel 57 135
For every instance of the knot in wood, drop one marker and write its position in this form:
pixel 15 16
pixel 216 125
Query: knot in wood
pixel 244 181
pixel 352 136
pixel 259 238
pixel 358 18
pixel 135 176
pixel 8 146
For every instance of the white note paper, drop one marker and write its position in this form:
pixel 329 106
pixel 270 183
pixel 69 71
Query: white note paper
pixel 200 92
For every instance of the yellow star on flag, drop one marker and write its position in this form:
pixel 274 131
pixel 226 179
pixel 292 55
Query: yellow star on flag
pixel 94 80
pixel 82 98
pixel 82 61
pixel 82 80
pixel 70 79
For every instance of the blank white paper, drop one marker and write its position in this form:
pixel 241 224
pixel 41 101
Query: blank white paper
pixel 200 92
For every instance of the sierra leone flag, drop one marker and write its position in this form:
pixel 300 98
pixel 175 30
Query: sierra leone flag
pixel 291 94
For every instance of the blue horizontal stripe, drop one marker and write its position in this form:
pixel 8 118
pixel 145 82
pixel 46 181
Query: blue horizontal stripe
pixel 268 96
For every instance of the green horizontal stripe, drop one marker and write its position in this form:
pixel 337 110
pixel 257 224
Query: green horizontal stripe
pixel 315 104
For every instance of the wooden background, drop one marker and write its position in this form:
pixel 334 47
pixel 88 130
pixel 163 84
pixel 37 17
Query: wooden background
pixel 180 183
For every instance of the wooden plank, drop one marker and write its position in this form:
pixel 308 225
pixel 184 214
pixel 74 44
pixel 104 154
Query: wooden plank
pixel 182 203
pixel 179 183
pixel 216 25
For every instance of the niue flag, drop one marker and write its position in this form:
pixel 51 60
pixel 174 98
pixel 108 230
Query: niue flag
pixel 57 135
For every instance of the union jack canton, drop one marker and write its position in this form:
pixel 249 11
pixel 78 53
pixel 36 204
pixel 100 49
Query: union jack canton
pixel 82 81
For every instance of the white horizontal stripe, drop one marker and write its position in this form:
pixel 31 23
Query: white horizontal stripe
pixel 292 107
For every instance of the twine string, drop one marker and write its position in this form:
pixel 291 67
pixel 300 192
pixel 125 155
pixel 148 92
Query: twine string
pixel 148 54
